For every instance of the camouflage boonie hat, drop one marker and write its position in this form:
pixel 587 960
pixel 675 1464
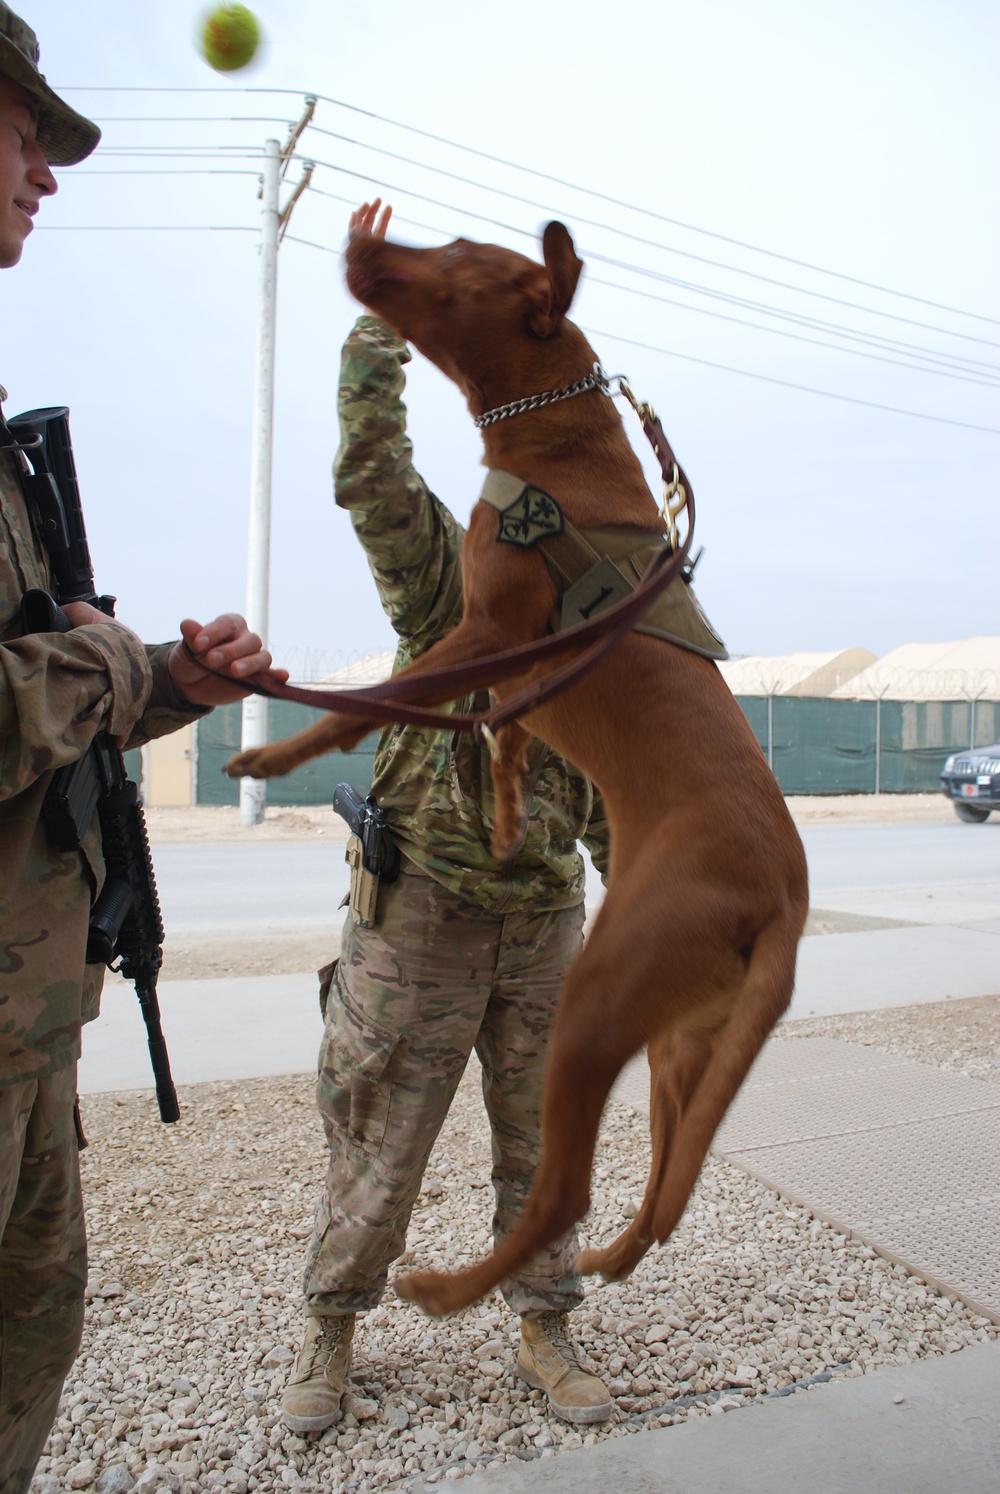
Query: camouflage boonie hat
pixel 65 136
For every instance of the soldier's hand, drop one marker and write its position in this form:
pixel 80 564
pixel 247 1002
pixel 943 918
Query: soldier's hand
pixel 82 613
pixel 365 219
pixel 228 647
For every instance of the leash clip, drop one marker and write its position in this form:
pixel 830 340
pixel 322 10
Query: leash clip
pixel 674 500
pixel 606 380
pixel 642 408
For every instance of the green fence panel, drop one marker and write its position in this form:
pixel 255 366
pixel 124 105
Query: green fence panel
pixel 811 749
pixel 986 723
pixel 917 736
pixel 819 751
pixel 218 737
pixel 819 746
pixel 816 746
pixel 754 708
pixel 133 767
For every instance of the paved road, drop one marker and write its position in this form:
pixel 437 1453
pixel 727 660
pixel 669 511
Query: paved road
pixel 923 873
pixel 918 873
pixel 907 913
pixel 237 889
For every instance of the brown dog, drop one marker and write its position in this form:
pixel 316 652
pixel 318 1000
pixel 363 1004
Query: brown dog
pixel 693 952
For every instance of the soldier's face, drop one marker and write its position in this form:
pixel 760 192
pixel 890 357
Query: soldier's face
pixel 25 177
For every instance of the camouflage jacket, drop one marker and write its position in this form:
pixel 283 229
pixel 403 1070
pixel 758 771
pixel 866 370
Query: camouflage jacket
pixel 436 789
pixel 56 691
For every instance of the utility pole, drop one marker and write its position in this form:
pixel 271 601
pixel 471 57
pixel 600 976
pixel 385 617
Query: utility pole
pixel 274 221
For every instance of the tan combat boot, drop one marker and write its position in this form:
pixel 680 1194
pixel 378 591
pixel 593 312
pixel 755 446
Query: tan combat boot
pixel 547 1360
pixel 311 1401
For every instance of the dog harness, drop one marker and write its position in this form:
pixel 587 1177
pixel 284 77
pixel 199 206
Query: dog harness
pixel 595 568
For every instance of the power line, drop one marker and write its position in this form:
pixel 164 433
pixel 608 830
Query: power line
pixel 145 228
pixel 181 153
pixel 651 243
pixel 789 384
pixel 201 152
pixel 870 339
pixel 942 373
pixel 797 317
pixel 725 367
pixel 650 213
pixel 168 171
pixel 189 119
pixel 936 357
pixel 562 182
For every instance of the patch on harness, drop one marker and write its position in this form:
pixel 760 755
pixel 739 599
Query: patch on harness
pixel 533 516
pixel 601 587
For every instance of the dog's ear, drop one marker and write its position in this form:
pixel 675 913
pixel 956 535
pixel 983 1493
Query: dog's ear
pixel 551 294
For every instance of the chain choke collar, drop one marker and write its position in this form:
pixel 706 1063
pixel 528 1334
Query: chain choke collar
pixel 596 379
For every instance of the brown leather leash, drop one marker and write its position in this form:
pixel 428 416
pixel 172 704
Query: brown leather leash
pixel 386 702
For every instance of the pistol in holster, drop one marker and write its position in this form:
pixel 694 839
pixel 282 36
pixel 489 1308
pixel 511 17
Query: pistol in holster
pixel 372 854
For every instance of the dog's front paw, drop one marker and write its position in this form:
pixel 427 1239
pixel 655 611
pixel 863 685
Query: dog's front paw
pixel 588 1262
pixel 431 1290
pixel 258 762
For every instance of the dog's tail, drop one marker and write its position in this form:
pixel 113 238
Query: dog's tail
pixel 766 992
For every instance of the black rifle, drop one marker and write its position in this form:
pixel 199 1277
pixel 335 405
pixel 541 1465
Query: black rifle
pixel 379 852
pixel 125 924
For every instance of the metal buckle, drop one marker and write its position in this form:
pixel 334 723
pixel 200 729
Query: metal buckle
pixel 674 500
pixel 491 742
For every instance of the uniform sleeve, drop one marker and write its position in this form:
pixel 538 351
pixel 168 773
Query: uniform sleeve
pixel 57 690
pixel 597 837
pixel 165 710
pixel 412 542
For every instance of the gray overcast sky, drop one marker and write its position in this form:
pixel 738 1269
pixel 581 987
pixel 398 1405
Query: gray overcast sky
pixel 860 137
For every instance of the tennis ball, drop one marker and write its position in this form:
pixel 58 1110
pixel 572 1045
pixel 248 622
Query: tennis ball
pixel 229 37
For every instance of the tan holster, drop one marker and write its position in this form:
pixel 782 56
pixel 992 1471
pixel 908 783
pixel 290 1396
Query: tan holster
pixel 364 887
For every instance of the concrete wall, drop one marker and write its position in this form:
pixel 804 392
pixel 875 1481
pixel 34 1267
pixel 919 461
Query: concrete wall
pixel 168 769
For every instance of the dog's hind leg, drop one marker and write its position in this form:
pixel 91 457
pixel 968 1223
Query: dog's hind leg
pixel 677 1060
pixel 559 1196
pixel 594 1035
pixel 764 994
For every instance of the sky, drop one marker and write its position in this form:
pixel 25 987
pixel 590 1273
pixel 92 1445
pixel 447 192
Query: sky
pixel 854 143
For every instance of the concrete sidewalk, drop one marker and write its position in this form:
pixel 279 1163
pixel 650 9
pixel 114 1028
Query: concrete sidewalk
pixel 927 1428
pixel 899 1155
pixel 250 1027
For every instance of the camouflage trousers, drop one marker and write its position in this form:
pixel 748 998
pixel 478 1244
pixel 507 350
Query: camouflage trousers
pixel 43 1264
pixel 405 1005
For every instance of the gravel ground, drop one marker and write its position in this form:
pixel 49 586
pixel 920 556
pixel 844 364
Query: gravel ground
pixel 219 824
pixel 197 1237
pixel 961 1036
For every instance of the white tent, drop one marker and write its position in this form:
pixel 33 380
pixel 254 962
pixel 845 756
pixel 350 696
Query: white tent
pixel 967 670
pixel 370 669
pixel 794 674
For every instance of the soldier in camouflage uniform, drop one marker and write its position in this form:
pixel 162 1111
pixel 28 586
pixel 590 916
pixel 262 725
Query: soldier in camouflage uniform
pixel 56 691
pixel 467 951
